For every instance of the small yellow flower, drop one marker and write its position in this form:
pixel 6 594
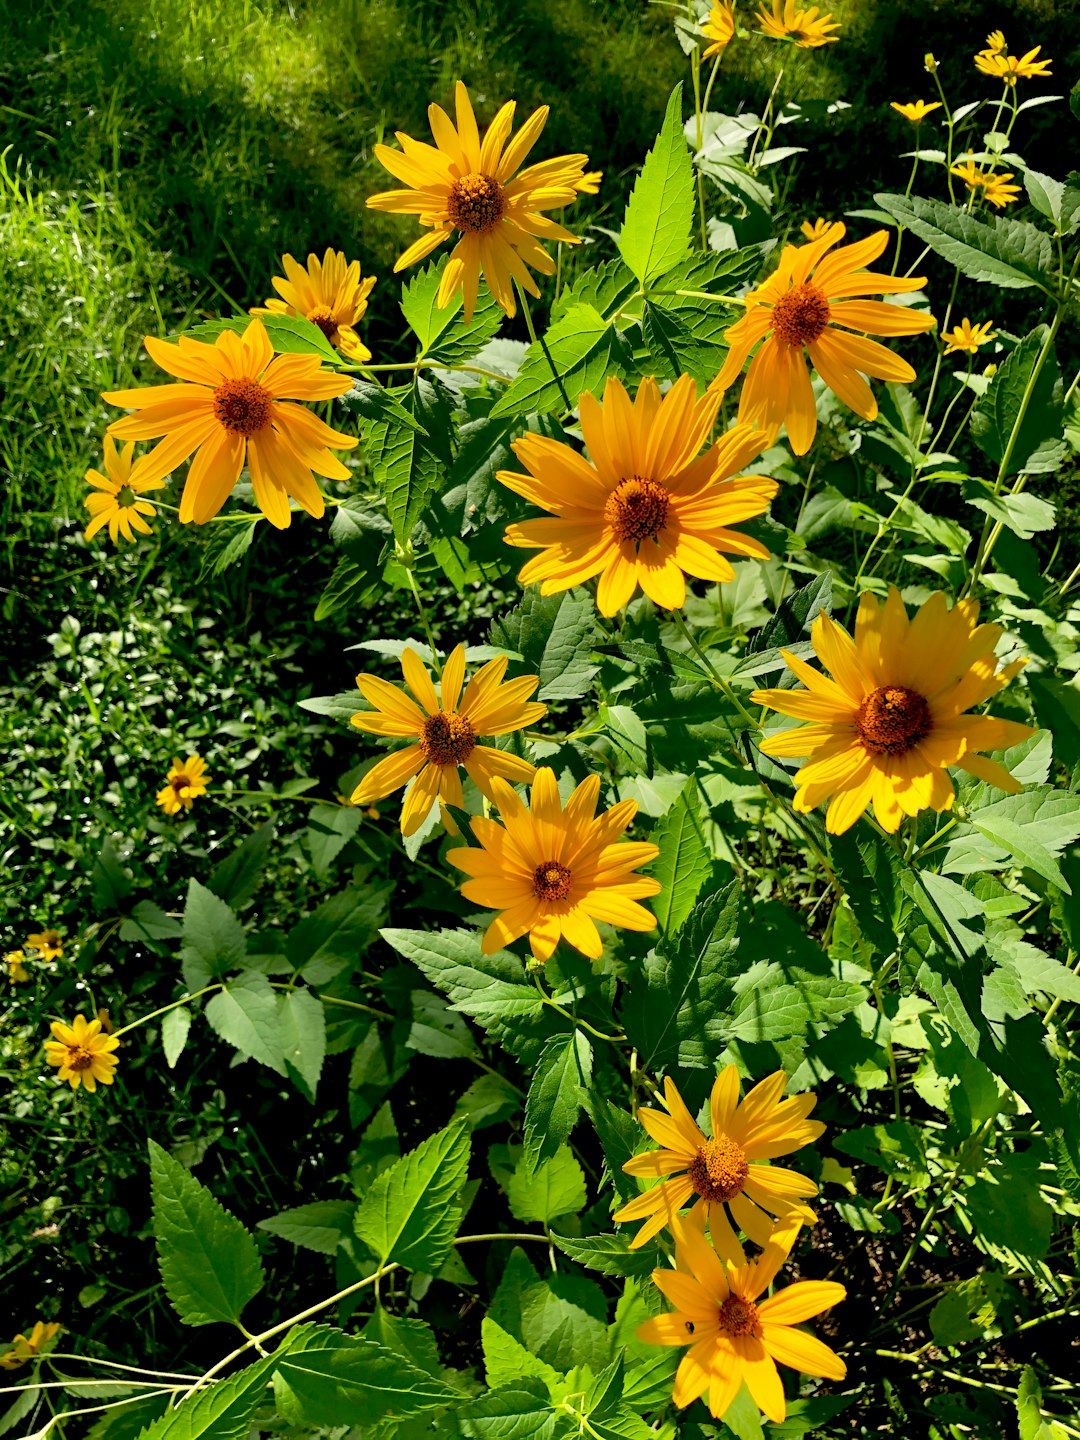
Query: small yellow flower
pixel 719 28
pixel 47 943
pixel 806 28
pixel 929 63
pixel 995 42
pixel 115 501
pixel 185 782
pixel 917 111
pixel 82 1052
pixel 16 969
pixel 1011 68
pixel 445 732
pixel 818 229
pixel 552 871
pixel 25 1348
pixel 996 189
pixel 966 336
pixel 329 293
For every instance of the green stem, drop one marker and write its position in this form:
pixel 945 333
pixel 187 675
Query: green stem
pixel 538 340
pixel 618 1039
pixel 184 1000
pixel 718 680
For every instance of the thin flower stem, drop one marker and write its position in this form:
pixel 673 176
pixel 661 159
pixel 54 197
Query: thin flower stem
pixel 539 340
pixel 619 1039
pixel 717 679
pixel 424 618
pixel 184 1000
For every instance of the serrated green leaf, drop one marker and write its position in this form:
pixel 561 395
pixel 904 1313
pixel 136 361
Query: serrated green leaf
pixel 444 336
pixel 405 472
pixel 222 1411
pixel 1007 253
pixel 1024 514
pixel 410 1214
pixel 214 941
pixel 174 1032
pixel 236 878
pixel 554 635
pixel 684 863
pixel 339 1379
pixel 557 1092
pixel 209 1264
pixel 227 544
pixel 337 933
pixel 1034 828
pixel 609 1254
pixel 320 1226
pixel 576 353
pixel 352 583
pixel 512 1413
pixel 110 882
pixel 556 1187
pixel 303 1037
pixel 148 922
pixel 1039 445
pixel 288 334
pixel 507 1362
pixel 245 1013
pixel 655 234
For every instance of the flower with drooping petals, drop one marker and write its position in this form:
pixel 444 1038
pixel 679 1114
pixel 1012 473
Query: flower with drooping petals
pixel 17 971
pixel 808 29
pixel 117 500
pixel 82 1053
pixel 718 29
pixel 328 292
pixel 185 782
pixel 917 110
pixel 966 336
pixel 25 1348
pixel 992 185
pixel 1010 68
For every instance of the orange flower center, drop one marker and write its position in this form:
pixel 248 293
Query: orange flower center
pixel 243 406
pixel 637 508
pixel 323 317
pixel 79 1058
pixel 551 881
pixel 180 783
pixel 800 316
pixel 475 203
pixel 738 1316
pixel 719 1170
pixel 447 739
pixel 893 719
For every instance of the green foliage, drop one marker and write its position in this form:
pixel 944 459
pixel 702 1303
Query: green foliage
pixel 411 1214
pixel 656 231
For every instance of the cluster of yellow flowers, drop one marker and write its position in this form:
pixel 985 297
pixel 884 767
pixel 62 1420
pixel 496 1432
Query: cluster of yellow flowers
pixel 733 1336
pixel 783 20
pixel 43 947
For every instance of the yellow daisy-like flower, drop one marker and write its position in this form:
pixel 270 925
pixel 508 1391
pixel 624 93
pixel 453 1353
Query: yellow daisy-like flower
pixel 17 971
pixel 819 228
pixel 726 1174
pixel 48 943
pixel 799 307
pixel 735 1337
pixel 1010 68
pixel 116 499
pixel 995 42
pixel 329 293
pixel 646 509
pixel 893 718
pixel 475 189
pixel 185 782
pixel 808 29
pixel 966 336
pixel 25 1348
pixel 917 111
pixel 718 29
pixel 553 871
pixel 446 731
pixel 233 406
pixel 82 1052
pixel 994 187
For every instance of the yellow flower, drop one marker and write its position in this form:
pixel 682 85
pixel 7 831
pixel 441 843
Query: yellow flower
pixel 106 1023
pixel 82 1052
pixel 819 228
pixel 47 943
pixel 798 308
pixel 329 293
pixel 185 782
pixel 728 1170
pixel 719 28
pixel 917 111
pixel 233 407
pixel 734 1336
pixel 995 42
pixel 553 871
pixel 1010 68
pixel 995 187
pixel 966 336
pixel 646 509
pixel 462 184
pixel 25 1348
pixel 890 722
pixel 929 63
pixel 807 28
pixel 445 731
pixel 115 501
pixel 16 969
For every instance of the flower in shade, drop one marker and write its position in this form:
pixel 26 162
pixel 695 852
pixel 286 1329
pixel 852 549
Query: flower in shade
pixel 809 304
pixel 48 943
pixel 185 782
pixel 734 1336
pixel 329 293
pixel 232 406
pixel 82 1052
pixel 994 186
pixel 445 728
pixel 808 29
pixel 917 111
pixel 726 1174
pixel 646 509
pixel 966 336
pixel 478 190
pixel 929 63
pixel 819 228
pixel 16 969
pixel 885 728
pixel 718 29
pixel 553 871
pixel 999 192
pixel 116 499
pixel 25 1348
pixel 1011 68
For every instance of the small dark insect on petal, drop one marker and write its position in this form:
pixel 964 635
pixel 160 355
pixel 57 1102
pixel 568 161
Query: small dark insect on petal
pixel 690 1327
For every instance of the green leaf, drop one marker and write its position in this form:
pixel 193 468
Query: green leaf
pixel 610 1254
pixel 1007 253
pixel 296 335
pixel 148 922
pixel 1033 828
pixel 411 1214
pixel 655 234
pixel 110 882
pixel 512 1413
pixel 1024 514
pixel 214 940
pixel 556 1187
pixel 578 352
pixel 968 1309
pixel 351 584
pixel 209 1264
pixel 414 1339
pixel 226 545
pixel 303 1037
pixel 321 1225
pixel 329 830
pixel 444 336
pixel 1039 445
pixel 560 1318
pixel 405 472
pixel 245 1014
pixel 222 1411
pixel 506 1360
pixel 1054 199
pixel 554 635
pixel 685 333
pixel 684 863
pixel 174 1032
pixel 1029 1395
pixel 559 1088
pixel 437 1030
pixel 337 933
pixel 236 878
